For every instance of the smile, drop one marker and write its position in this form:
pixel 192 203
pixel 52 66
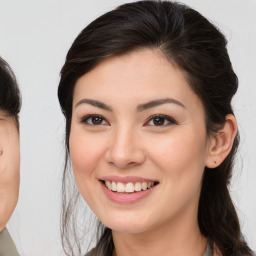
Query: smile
pixel 127 190
pixel 129 187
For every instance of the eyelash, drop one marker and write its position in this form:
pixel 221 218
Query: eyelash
pixel 164 118
pixel 88 117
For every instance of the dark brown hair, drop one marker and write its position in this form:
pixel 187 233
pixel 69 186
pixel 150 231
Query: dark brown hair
pixel 10 100
pixel 197 47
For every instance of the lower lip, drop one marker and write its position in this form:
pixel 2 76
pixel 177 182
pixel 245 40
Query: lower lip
pixel 126 198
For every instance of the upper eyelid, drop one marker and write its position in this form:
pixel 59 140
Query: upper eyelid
pixel 167 117
pixel 162 116
pixel 86 117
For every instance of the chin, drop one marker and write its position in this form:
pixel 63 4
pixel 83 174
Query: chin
pixel 130 229
pixel 126 225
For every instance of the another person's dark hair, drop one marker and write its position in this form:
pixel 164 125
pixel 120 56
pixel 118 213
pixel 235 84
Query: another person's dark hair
pixel 189 41
pixel 10 100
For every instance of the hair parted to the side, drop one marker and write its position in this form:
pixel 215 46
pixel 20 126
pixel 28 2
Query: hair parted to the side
pixel 191 42
pixel 10 99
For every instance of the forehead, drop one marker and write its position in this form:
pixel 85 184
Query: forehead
pixel 140 74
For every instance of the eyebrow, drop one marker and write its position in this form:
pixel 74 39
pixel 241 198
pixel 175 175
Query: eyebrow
pixel 94 103
pixel 140 108
pixel 155 103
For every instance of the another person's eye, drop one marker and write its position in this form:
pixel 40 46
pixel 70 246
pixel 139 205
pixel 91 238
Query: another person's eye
pixel 94 120
pixel 160 120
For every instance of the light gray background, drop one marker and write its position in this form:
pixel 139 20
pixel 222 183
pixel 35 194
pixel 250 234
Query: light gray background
pixel 35 36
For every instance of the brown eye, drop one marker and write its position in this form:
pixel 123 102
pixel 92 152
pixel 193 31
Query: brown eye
pixel 160 120
pixel 97 120
pixel 94 120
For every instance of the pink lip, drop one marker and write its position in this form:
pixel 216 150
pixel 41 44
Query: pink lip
pixel 125 198
pixel 125 179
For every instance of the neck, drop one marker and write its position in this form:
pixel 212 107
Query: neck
pixel 169 240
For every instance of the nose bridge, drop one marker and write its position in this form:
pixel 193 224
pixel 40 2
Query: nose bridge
pixel 125 149
pixel 123 140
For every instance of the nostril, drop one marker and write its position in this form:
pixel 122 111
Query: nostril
pixel 127 160
pixel 123 165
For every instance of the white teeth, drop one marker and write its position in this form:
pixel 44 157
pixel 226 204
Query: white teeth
pixel 108 184
pixel 137 186
pixel 144 185
pixel 120 187
pixel 128 187
pixel 113 186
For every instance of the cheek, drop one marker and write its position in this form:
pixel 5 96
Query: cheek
pixel 180 158
pixel 84 154
pixel 83 163
pixel 10 158
pixel 178 149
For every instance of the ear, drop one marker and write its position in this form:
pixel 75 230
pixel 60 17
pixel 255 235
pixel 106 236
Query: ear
pixel 220 143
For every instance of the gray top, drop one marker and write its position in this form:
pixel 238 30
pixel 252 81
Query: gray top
pixel 7 247
pixel 209 249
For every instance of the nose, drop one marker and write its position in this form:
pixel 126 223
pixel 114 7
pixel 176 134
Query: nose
pixel 125 149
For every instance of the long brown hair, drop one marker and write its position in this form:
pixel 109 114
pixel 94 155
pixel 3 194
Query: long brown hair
pixel 198 48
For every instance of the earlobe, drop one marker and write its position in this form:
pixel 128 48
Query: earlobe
pixel 221 143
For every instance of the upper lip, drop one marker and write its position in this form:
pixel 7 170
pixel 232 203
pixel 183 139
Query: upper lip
pixel 126 179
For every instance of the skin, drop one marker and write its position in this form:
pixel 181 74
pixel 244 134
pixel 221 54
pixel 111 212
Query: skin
pixel 9 167
pixel 127 142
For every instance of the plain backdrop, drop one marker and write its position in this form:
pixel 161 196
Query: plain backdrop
pixel 35 36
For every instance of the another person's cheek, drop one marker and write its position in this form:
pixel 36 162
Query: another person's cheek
pixel 9 174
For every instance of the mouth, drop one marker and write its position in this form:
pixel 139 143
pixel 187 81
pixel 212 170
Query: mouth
pixel 130 187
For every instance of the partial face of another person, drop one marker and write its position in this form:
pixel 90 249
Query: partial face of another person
pixel 138 142
pixel 9 166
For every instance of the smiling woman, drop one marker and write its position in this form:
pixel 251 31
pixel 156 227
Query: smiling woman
pixel 146 92
pixel 115 148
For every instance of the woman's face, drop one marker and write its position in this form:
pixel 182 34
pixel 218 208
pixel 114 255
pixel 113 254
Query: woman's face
pixel 138 128
pixel 9 167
